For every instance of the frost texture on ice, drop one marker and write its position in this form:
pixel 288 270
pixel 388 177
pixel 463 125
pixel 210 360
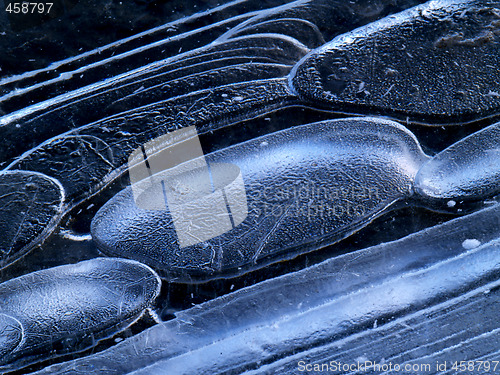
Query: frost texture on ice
pixel 412 64
pixel 30 207
pixel 75 303
pixel 238 67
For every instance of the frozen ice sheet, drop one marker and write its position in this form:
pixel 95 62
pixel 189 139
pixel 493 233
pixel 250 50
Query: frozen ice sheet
pixel 380 299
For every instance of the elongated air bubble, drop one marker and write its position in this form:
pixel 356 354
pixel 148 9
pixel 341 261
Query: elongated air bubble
pixel 280 47
pixel 247 69
pixel 78 162
pixel 80 104
pixel 71 302
pixel 90 157
pixel 305 187
pixel 415 64
pixel 113 138
pixel 331 17
pixel 186 33
pixel 122 95
pixel 468 169
pixel 302 30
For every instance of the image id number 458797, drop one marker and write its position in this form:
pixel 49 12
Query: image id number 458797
pixel 473 366
pixel 29 8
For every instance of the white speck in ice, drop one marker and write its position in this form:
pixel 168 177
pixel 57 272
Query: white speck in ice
pixel 263 144
pixel 361 358
pixel 75 237
pixel 451 203
pixel 66 75
pixel 492 94
pixel 469 244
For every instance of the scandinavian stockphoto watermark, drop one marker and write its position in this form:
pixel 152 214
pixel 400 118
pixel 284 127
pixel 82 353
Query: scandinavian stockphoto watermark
pixel 363 365
pixel 204 199
pixel 313 201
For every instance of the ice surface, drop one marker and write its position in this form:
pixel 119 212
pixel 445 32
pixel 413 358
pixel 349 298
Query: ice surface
pixel 11 334
pixel 421 292
pixel 97 124
pixel 412 64
pixel 468 169
pixel 70 127
pixel 30 207
pixel 71 305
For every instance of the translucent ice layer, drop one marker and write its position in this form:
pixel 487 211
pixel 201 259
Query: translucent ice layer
pixel 11 334
pixel 207 49
pixel 69 307
pixel 396 302
pixel 69 130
